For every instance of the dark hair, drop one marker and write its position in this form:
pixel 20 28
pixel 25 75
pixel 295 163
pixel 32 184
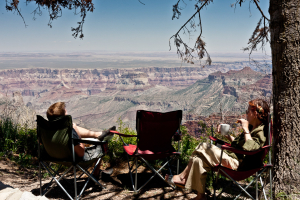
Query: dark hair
pixel 262 108
pixel 56 110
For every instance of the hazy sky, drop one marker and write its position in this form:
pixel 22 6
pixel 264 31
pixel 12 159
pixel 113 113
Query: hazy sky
pixel 127 25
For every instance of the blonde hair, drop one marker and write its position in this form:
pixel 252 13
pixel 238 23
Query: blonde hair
pixel 56 110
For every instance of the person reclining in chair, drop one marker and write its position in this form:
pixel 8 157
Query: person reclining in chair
pixel 57 110
pixel 205 156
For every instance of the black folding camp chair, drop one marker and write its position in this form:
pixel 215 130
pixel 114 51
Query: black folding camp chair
pixel 155 131
pixel 56 145
pixel 252 164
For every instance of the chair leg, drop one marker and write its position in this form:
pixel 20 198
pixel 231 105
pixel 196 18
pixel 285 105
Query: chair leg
pixel 256 187
pixel 270 171
pixel 56 180
pixel 75 182
pixel 155 173
pixel 130 173
pixel 169 167
pixel 263 187
pixel 136 164
pixel 177 166
pixel 40 179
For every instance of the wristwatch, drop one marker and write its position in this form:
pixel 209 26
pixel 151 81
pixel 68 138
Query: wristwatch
pixel 246 132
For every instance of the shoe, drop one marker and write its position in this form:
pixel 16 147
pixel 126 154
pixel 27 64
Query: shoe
pixel 104 175
pixel 108 171
pixel 107 135
pixel 170 181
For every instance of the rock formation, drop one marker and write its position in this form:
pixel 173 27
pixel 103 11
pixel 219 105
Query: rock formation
pixel 97 98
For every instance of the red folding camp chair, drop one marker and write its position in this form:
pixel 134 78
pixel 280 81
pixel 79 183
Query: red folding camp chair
pixel 155 131
pixel 247 168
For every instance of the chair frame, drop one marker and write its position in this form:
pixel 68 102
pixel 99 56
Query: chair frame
pixel 264 168
pixel 74 164
pixel 176 136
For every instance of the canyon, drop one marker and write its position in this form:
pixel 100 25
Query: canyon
pixel 97 98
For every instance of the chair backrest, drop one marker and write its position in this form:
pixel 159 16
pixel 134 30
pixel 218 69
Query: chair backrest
pixel 268 131
pixel 155 129
pixel 55 136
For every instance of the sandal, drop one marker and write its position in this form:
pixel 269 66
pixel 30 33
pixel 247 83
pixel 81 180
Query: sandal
pixel 170 181
pixel 107 135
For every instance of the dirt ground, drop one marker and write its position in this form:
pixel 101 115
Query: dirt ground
pixel 118 185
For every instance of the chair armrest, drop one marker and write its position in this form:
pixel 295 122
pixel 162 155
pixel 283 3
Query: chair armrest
pixel 224 147
pixel 90 141
pixel 219 141
pixel 121 134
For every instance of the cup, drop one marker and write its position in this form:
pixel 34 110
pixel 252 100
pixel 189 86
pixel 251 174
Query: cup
pixel 224 129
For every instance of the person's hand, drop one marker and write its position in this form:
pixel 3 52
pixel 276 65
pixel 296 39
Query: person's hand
pixel 219 128
pixel 245 125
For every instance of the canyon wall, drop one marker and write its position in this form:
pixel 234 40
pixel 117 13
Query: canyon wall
pixel 97 98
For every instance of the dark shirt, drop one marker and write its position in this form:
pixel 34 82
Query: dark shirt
pixel 75 136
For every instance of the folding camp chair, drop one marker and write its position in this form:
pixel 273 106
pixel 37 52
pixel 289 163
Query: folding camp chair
pixel 56 145
pixel 154 141
pixel 252 164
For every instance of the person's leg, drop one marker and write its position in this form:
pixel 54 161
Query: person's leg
pixel 196 179
pixel 85 133
pixel 97 170
pixel 182 177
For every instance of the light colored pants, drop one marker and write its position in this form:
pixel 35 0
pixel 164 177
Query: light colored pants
pixel 204 157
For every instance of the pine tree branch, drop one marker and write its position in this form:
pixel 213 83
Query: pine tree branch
pixel 258 7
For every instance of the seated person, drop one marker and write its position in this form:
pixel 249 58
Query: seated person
pixel 206 155
pixel 59 109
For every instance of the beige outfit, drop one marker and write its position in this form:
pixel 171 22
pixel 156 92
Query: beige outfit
pixel 204 157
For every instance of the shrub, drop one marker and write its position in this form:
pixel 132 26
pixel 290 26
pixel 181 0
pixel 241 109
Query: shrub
pixel 115 145
pixel 15 139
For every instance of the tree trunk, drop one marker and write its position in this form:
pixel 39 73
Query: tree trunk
pixel 285 45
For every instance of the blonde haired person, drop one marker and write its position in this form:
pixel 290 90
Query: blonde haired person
pixel 205 156
pixel 57 110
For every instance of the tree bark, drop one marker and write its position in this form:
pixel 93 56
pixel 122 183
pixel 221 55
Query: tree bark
pixel 285 45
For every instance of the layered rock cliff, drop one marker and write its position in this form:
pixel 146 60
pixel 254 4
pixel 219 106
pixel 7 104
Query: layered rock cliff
pixel 97 98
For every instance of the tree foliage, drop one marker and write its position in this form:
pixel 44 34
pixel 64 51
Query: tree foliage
pixel 54 8
pixel 259 38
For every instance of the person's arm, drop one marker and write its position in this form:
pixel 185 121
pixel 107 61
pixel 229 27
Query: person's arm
pixel 253 142
pixel 229 137
pixel 79 149
pixel 245 126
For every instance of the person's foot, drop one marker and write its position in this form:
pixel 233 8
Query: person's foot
pixel 176 180
pixel 106 133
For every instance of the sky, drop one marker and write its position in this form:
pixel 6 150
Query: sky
pixel 129 26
